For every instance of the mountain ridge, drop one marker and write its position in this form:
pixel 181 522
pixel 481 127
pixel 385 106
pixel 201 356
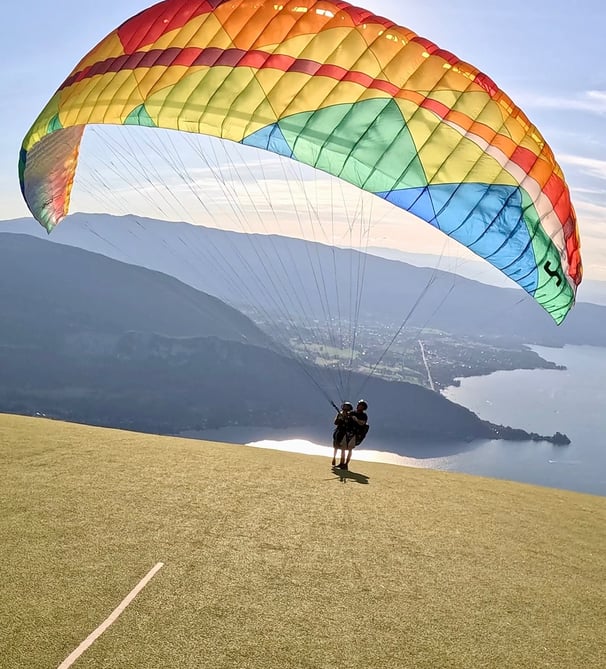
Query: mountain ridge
pixel 234 267
pixel 155 364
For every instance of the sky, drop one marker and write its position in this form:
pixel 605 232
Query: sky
pixel 546 54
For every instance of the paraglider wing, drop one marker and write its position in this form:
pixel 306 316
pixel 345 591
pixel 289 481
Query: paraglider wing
pixel 335 87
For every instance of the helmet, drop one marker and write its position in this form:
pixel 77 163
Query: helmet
pixel 363 403
pixel 347 406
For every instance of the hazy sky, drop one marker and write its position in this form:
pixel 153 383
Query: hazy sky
pixel 548 55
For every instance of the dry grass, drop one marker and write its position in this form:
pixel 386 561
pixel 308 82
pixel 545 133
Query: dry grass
pixel 274 561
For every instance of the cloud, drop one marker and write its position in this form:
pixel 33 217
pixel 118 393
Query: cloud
pixel 589 101
pixel 592 167
pixel 592 212
pixel 588 191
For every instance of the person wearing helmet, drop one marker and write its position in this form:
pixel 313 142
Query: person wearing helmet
pixel 344 433
pixel 358 421
pixel 352 427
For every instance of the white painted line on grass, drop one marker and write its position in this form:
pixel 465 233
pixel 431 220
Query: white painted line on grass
pixel 91 638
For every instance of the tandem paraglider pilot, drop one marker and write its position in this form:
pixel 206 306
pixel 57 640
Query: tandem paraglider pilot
pixel 351 429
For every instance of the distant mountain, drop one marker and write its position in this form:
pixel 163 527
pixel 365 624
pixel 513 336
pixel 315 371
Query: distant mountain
pixel 477 270
pixel 593 292
pixel 90 339
pixel 54 294
pixel 273 271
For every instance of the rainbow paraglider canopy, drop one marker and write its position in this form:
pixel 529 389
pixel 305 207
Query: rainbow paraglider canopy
pixel 337 88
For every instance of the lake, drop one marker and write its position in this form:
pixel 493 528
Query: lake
pixel 543 401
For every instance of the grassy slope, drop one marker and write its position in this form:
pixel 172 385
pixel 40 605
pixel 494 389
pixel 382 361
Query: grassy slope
pixel 273 561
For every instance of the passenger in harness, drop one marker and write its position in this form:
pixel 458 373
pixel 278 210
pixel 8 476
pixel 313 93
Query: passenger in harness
pixel 361 419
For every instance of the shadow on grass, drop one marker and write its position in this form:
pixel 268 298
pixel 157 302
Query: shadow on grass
pixel 345 475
